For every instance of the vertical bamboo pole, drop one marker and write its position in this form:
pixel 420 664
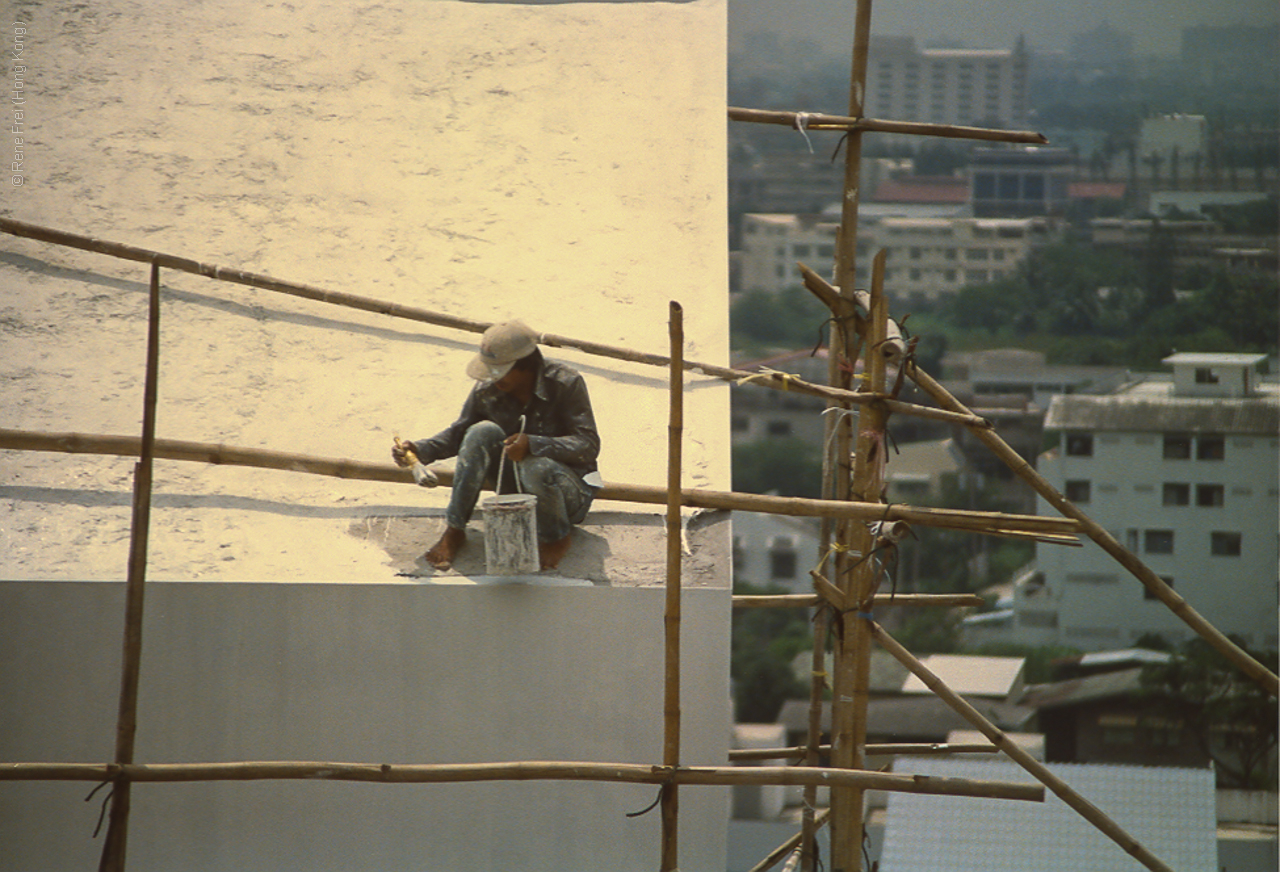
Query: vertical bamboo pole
pixel 853 659
pixel 671 623
pixel 113 849
pixel 846 822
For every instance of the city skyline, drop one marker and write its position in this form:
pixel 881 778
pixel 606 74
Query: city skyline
pixel 993 23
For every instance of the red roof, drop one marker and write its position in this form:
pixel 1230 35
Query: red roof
pixel 1096 190
pixel 922 189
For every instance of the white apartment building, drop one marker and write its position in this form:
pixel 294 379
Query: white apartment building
pixel 927 257
pixel 981 87
pixel 1183 472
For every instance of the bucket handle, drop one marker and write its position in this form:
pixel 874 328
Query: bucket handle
pixel 502 459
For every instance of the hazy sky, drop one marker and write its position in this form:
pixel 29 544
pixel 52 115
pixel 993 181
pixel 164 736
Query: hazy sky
pixel 1048 24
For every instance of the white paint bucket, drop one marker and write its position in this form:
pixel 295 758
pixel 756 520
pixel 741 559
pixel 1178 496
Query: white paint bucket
pixel 511 534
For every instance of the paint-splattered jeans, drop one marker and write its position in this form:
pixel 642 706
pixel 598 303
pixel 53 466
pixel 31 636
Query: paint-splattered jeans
pixel 563 497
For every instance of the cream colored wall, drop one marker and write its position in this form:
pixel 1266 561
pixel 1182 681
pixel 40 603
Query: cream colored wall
pixel 370 674
pixel 563 163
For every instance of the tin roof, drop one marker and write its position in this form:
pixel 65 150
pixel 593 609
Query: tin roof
pixel 1171 812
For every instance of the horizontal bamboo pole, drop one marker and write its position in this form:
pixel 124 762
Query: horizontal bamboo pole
pixel 821 121
pixel 1064 791
pixel 808 600
pixel 777 381
pixel 1259 673
pixel 171 449
pixel 533 770
pixel 918 749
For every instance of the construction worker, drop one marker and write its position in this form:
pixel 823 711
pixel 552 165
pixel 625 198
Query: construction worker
pixel 537 413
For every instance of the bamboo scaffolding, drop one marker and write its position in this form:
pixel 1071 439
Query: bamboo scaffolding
pixel 671 620
pixel 821 121
pixel 777 381
pixel 1262 676
pixel 527 770
pixel 1064 791
pixel 809 600
pixel 789 846
pixel 917 749
pixel 258 458
pixel 114 846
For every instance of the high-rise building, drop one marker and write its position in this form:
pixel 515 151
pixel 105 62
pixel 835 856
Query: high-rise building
pixel 978 87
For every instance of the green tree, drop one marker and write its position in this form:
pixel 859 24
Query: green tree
pixel 1234 720
pixel 787 466
pixel 763 644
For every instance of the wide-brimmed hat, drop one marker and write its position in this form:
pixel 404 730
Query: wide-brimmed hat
pixel 500 347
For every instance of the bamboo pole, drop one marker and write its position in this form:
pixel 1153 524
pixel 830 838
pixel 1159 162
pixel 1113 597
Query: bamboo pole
pixel 528 770
pixel 671 621
pixel 1262 676
pixel 777 381
pixel 1064 791
pixel 774 857
pixel 172 449
pixel 809 600
pixel 909 749
pixel 114 846
pixel 853 653
pixel 821 121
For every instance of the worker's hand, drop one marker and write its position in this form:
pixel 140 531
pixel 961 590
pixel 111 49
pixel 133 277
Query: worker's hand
pixel 516 447
pixel 402 453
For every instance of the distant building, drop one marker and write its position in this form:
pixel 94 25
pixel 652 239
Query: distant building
pixel 1020 181
pixel 775 550
pixel 927 257
pixel 973 87
pixel 1181 471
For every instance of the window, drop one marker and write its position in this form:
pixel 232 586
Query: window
pixel 975 253
pixel 1177 494
pixel 1206 376
pixel 782 564
pixel 1078 491
pixel 779 428
pixel 1146 591
pixel 1080 444
pixel 1158 542
pixel 1210 495
pixel 1177 446
pixel 1210 447
pixel 1223 544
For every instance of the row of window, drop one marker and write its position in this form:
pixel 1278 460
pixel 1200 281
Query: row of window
pixel 1222 543
pixel 1177 446
pixel 1174 493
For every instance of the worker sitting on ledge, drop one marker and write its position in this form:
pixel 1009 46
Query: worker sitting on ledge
pixel 554 451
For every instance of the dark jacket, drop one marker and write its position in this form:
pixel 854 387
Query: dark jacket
pixel 558 420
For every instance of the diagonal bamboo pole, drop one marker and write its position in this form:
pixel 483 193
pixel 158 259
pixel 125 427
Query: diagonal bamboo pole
pixel 1064 791
pixel 1262 676
pixel 113 849
pixel 774 857
pixel 776 381
pixel 671 620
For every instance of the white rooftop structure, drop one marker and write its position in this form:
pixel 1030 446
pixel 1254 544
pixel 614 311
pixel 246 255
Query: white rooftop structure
pixel 1170 812
pixel 970 675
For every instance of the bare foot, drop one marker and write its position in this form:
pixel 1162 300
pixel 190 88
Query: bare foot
pixel 551 553
pixel 442 553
